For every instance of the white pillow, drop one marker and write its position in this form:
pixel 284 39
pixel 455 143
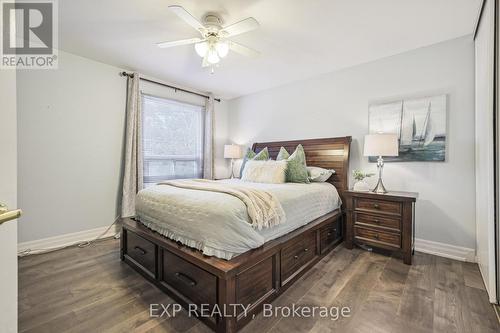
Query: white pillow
pixel 319 175
pixel 270 171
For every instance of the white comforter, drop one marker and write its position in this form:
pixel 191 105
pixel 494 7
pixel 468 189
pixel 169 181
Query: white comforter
pixel 263 208
pixel 218 223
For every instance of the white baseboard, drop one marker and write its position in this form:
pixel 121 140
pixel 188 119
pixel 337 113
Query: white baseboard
pixel 41 245
pixel 445 250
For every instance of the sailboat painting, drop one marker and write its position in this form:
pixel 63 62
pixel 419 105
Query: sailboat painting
pixel 420 125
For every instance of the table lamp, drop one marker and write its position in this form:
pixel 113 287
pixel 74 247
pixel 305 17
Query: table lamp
pixel 381 145
pixel 232 152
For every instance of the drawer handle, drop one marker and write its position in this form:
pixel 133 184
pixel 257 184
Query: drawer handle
pixel 376 206
pixel 376 221
pixel 297 256
pixel 186 279
pixel 334 231
pixel 140 249
pixel 376 236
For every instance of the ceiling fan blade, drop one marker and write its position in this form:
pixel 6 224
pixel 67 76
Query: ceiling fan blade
pixel 243 50
pixel 179 42
pixel 240 27
pixel 187 17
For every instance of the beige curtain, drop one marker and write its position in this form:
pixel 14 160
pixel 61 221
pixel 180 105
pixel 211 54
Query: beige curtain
pixel 208 152
pixel 133 175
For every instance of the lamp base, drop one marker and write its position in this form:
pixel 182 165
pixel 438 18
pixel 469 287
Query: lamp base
pixel 232 168
pixel 380 188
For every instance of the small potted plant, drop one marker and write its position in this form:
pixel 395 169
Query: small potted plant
pixel 359 177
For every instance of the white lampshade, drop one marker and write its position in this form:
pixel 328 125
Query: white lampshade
pixel 212 56
pixel 201 48
pixel 222 49
pixel 232 151
pixel 381 145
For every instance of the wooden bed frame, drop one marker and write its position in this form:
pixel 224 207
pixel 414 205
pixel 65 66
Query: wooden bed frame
pixel 253 278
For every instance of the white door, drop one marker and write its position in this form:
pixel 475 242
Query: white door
pixel 8 196
pixel 485 204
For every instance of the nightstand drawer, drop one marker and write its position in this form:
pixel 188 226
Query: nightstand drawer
pixel 378 206
pixel 380 237
pixel 378 221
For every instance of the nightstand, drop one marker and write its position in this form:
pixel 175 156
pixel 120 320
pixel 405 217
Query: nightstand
pixel 381 220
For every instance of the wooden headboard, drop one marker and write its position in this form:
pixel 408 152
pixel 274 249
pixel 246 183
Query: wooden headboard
pixel 328 153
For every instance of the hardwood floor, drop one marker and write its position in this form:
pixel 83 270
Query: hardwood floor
pixel 90 290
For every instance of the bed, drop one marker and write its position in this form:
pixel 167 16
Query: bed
pixel 169 211
pixel 248 267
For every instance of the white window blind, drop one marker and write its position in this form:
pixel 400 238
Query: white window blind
pixel 172 139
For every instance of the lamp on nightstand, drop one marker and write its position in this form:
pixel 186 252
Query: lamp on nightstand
pixel 381 145
pixel 232 152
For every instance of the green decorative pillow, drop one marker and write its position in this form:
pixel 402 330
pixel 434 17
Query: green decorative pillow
pixel 282 155
pixel 250 154
pixel 296 171
pixel 263 155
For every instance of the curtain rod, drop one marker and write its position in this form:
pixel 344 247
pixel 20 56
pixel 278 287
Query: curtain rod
pixel 131 75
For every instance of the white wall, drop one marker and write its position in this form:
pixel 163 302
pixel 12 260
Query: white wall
pixel 336 104
pixel 71 128
pixel 8 196
pixel 485 210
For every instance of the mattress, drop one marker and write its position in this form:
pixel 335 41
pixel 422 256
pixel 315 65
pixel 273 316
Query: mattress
pixel 218 224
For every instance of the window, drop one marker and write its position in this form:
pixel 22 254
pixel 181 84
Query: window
pixel 172 139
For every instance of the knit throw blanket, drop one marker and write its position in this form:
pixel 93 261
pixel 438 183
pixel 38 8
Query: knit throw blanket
pixel 263 208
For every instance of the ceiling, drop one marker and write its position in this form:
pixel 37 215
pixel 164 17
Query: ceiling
pixel 297 38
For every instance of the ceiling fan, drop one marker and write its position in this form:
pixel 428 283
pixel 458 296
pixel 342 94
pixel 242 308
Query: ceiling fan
pixel 214 43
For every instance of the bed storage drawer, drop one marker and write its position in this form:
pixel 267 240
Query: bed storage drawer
pixel 194 283
pixel 142 251
pixel 330 235
pixel 297 255
pixel 377 206
pixel 255 283
pixel 379 237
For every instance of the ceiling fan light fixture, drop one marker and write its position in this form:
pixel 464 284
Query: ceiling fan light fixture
pixel 213 44
pixel 212 56
pixel 222 49
pixel 201 48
